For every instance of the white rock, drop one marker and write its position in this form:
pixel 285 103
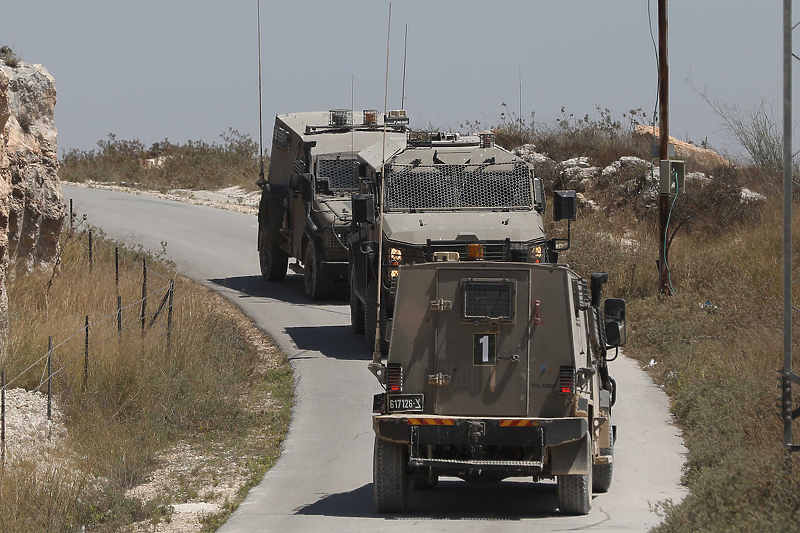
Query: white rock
pixel 582 162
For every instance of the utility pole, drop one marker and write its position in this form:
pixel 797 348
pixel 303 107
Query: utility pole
pixel 663 108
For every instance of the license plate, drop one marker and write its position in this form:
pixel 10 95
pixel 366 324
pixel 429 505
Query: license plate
pixel 405 403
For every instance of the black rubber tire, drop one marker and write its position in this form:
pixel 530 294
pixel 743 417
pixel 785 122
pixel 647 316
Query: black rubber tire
pixel 390 478
pixel 575 491
pixel 602 475
pixel 421 481
pixel 317 286
pixel 370 316
pixel 356 307
pixel 272 259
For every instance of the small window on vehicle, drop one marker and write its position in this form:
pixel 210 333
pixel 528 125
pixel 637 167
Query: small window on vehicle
pixel 488 299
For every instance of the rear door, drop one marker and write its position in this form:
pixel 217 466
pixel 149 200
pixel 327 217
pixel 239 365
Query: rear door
pixel 482 342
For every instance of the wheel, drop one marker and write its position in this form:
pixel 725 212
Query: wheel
pixel 575 491
pixel 316 285
pixel 370 317
pixel 356 307
pixel 422 481
pixel 390 479
pixel 273 260
pixel 602 474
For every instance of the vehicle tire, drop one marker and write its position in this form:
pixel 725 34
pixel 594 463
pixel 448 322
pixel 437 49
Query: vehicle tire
pixel 272 259
pixel 602 474
pixel 317 287
pixel 421 481
pixel 390 479
pixel 575 491
pixel 370 316
pixel 356 307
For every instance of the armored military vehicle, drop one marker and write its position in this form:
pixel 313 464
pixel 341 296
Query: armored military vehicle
pixel 496 368
pixel 304 212
pixel 447 196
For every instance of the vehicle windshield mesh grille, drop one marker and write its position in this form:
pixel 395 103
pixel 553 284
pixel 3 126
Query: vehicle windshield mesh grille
pixel 468 186
pixel 341 173
pixel 489 299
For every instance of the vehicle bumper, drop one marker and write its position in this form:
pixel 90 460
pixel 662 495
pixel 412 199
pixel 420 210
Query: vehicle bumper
pixel 420 431
pixel 335 269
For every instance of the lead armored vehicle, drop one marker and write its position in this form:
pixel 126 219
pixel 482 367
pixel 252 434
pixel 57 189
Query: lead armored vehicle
pixel 304 212
pixel 447 197
pixel 496 368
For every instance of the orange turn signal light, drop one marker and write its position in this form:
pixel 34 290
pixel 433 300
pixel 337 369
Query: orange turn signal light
pixel 475 252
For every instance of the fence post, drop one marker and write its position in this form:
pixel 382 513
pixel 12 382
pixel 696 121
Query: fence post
pixel 119 317
pixel 144 291
pixel 90 250
pixel 116 267
pixel 70 214
pixel 86 356
pixel 169 316
pixel 3 418
pixel 49 378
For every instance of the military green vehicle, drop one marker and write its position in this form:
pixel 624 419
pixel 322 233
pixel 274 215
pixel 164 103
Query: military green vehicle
pixel 496 369
pixel 304 212
pixel 447 197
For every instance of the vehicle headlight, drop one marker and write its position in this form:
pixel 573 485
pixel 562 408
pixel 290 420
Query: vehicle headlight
pixel 395 255
pixel 538 253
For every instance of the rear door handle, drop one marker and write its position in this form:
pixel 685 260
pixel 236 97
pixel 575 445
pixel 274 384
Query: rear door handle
pixel 513 358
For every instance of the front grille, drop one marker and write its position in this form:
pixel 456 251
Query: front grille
pixel 341 173
pixel 334 239
pixel 489 299
pixel 493 251
pixel 470 186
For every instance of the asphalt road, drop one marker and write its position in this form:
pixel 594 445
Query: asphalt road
pixel 323 480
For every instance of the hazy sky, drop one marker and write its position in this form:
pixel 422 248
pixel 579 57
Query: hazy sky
pixel 188 69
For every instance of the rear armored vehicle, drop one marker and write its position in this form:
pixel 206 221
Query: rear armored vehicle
pixel 304 212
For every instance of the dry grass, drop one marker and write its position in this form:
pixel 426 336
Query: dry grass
pixel 139 398
pixel 166 165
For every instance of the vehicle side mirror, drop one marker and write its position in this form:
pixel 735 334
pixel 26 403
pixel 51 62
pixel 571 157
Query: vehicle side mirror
pixel 614 311
pixel 539 199
pixel 304 184
pixel 363 208
pixel 564 205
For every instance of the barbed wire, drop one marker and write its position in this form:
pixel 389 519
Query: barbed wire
pixel 124 258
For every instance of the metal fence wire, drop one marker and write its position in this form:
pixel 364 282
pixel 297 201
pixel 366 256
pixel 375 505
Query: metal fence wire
pixel 162 306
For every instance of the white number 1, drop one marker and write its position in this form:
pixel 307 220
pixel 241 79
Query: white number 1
pixel 485 342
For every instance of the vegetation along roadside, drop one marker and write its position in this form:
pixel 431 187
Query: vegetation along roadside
pixel 156 430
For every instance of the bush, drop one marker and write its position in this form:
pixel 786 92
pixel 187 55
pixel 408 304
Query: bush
pixel 193 165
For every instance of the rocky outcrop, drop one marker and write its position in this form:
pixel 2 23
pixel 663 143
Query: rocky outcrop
pixel 31 202
pixel 683 150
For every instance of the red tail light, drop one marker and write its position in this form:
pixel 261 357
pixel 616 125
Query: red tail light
pixel 566 380
pixel 394 377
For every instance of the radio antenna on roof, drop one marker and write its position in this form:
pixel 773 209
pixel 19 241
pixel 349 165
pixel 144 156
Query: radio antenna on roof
pixel 260 121
pixel 405 50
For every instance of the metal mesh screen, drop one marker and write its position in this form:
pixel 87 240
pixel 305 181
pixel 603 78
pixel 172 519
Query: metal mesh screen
pixel 488 299
pixel 342 174
pixel 334 241
pixel 458 186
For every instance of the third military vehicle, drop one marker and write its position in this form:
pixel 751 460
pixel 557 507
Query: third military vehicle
pixel 304 211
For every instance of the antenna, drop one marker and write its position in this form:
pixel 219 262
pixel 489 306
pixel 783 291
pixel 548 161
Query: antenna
pixel 353 129
pixel 405 49
pixel 260 121
pixel 521 116
pixel 376 354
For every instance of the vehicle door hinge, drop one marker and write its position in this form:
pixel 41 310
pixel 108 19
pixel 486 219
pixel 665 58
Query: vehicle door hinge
pixel 438 379
pixel 441 305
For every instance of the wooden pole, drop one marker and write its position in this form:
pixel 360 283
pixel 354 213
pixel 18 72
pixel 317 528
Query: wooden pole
pixel 144 292
pixel 3 417
pixel 663 107
pixel 119 317
pixel 86 355
pixel 116 268
pixel 90 250
pixel 169 316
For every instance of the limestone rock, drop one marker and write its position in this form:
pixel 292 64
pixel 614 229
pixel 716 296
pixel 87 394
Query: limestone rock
pixel 529 154
pixel 683 150
pixel 31 202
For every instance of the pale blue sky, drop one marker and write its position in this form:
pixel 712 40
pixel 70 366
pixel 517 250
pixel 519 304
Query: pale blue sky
pixel 188 69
